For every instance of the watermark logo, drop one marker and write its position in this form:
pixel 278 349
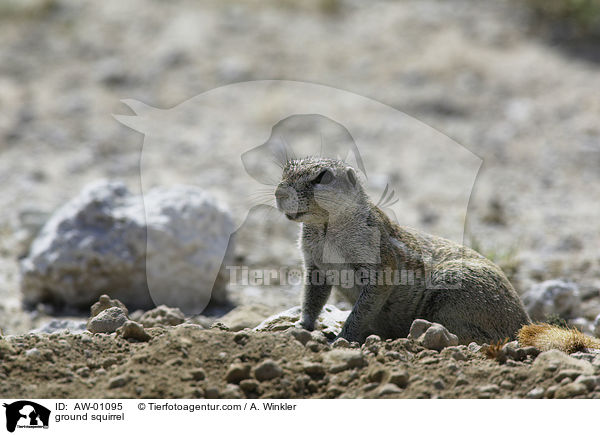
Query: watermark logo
pixel 25 414
pixel 235 141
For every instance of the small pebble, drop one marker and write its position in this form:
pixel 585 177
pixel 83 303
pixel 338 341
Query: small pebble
pixel 302 335
pixel 118 381
pixel 319 337
pixel 237 373
pixel 133 330
pixel 241 337
pixel 461 380
pixel 107 321
pixel 536 393
pixel 314 368
pixel 399 378
pixel 389 389
pixel 341 343
pixel 551 391
pixel 33 352
pixel 249 385
pixel 266 370
pixel 377 374
pixel 198 374
pixel 84 372
pixel 490 388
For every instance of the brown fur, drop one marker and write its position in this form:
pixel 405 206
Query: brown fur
pixel 545 337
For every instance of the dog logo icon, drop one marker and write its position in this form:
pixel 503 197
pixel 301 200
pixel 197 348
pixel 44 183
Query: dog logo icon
pixel 26 414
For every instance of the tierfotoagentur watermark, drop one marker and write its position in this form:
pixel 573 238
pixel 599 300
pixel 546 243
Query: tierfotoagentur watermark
pixel 344 278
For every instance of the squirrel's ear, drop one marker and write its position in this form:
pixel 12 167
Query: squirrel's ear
pixel 351 176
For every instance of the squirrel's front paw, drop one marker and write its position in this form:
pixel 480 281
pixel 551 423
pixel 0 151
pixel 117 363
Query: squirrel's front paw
pixel 304 324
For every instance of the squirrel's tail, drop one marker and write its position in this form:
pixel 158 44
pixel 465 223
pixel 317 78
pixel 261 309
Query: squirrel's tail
pixel 545 337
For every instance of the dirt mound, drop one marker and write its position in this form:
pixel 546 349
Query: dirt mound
pixel 188 361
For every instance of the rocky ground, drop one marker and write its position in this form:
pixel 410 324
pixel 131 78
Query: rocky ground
pixel 476 71
pixel 189 361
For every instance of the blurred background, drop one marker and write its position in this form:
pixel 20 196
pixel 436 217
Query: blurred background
pixel 515 82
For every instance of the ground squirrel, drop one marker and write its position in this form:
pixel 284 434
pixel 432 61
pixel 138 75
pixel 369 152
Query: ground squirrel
pixel 399 274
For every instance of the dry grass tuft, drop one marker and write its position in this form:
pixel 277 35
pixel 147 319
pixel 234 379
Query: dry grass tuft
pixel 494 350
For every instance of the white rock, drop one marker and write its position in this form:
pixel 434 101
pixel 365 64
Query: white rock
pixel 553 297
pixel 188 238
pixel 330 320
pixel 431 335
pixel 97 243
pixel 107 321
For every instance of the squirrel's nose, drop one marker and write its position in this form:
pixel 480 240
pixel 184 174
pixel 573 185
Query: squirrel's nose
pixel 281 193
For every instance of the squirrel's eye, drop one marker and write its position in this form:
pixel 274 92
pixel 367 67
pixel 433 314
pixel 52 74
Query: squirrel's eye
pixel 325 177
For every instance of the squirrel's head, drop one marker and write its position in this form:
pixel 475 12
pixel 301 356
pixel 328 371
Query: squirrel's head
pixel 313 190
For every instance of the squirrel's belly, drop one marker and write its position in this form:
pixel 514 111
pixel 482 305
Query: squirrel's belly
pixel 350 293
